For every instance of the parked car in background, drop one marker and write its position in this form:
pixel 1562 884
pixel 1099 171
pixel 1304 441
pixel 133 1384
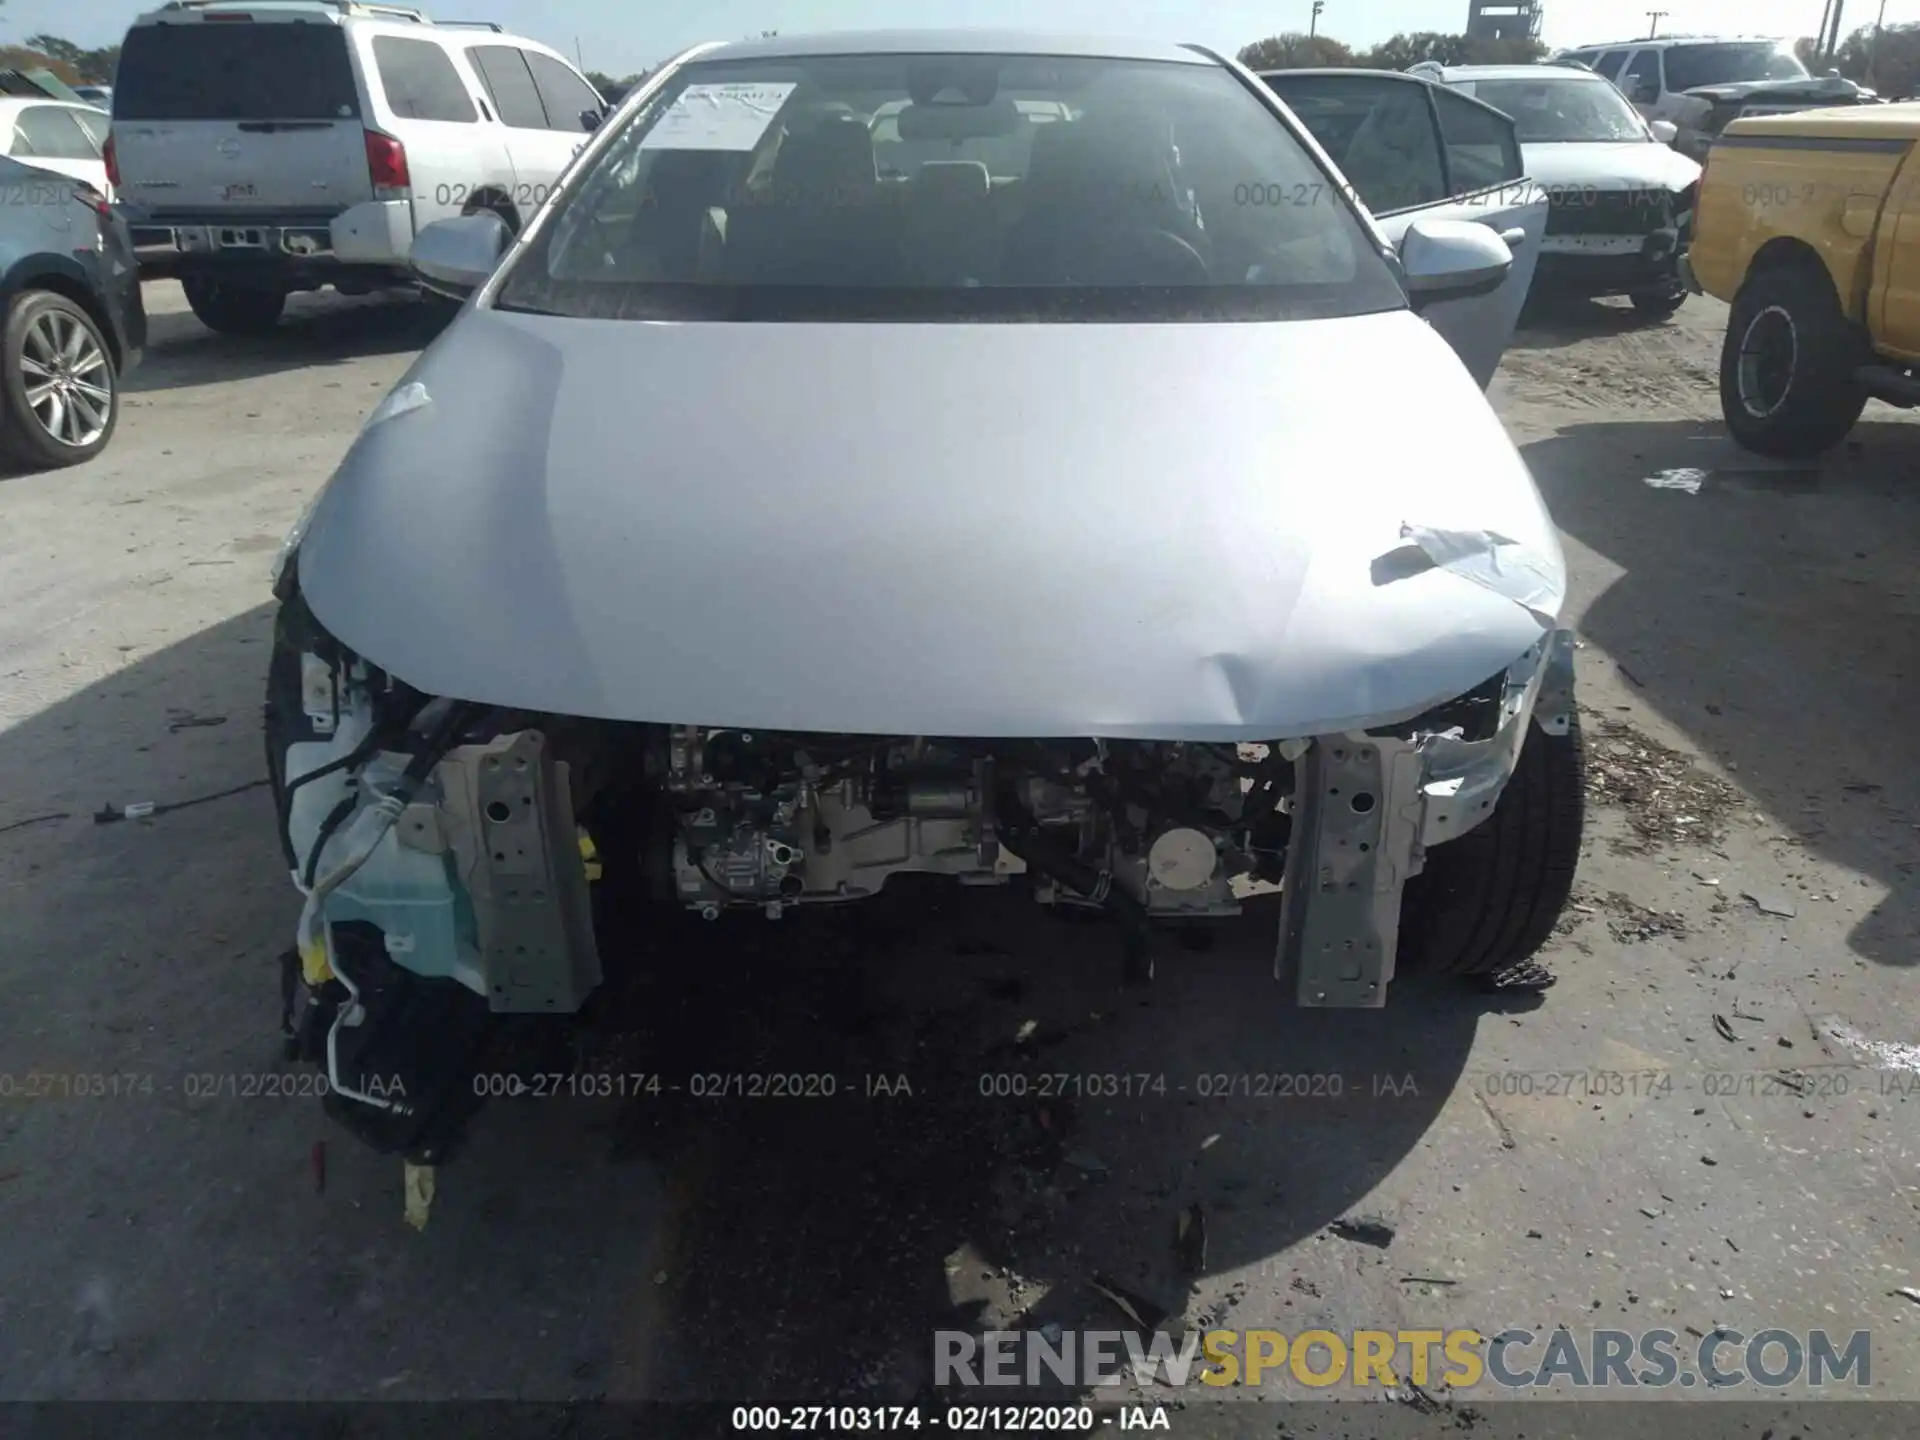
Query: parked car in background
pixel 53 135
pixel 1413 150
pixel 1809 227
pixel 1702 83
pixel 101 95
pixel 266 149
pixel 1621 198
pixel 73 323
pixel 1064 621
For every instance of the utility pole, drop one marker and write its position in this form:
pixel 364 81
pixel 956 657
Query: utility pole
pixel 1833 39
pixel 1656 16
pixel 1313 20
pixel 1873 56
pixel 582 64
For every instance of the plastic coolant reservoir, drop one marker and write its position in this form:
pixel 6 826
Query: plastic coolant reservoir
pixel 409 894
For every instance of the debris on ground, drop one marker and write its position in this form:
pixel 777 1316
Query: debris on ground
pixel 1086 1162
pixel 1770 902
pixel 419 1191
pixel 1427 1280
pixel 1304 1286
pixel 1666 797
pixel 1364 1229
pixel 35 820
pixel 190 721
pixel 144 809
pixel 1410 1394
pixel 1136 1307
pixel 1907 1292
pixel 1724 1029
pixel 1524 976
pixel 1629 921
pixel 1190 1238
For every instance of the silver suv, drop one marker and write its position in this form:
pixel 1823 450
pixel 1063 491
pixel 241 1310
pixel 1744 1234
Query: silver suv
pixel 269 147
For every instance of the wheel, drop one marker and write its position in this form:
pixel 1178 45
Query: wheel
pixel 62 396
pixel 1787 383
pixel 1656 306
pixel 1489 899
pixel 234 309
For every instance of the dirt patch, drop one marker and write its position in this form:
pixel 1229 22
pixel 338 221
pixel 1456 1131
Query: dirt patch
pixel 1666 798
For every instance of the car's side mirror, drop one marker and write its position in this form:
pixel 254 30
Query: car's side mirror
pixel 455 257
pixel 1452 260
pixel 1665 131
pixel 590 120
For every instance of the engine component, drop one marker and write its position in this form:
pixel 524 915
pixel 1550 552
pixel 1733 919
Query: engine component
pixel 1181 859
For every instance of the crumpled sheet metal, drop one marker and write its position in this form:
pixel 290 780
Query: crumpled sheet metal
pixel 1494 562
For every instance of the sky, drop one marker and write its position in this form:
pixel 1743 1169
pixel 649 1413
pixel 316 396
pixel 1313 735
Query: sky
pixel 622 36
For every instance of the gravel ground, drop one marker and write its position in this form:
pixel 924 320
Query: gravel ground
pixel 1709 1120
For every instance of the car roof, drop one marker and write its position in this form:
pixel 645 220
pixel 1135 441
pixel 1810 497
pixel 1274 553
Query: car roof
pixel 1521 72
pixel 955 42
pixel 1663 41
pixel 1411 77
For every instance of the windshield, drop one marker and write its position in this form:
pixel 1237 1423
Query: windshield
pixel 952 186
pixel 1545 111
pixel 1728 64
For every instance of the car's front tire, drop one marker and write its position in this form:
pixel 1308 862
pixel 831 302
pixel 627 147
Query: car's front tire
pixel 231 309
pixel 1788 386
pixel 1490 899
pixel 62 396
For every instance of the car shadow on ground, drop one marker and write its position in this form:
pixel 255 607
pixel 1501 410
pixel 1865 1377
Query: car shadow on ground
pixel 317 330
pixel 1555 322
pixel 1006 1120
pixel 1774 615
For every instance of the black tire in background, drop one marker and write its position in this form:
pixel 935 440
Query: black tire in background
pixel 231 309
pixel 1490 899
pixel 1788 386
pixel 38 323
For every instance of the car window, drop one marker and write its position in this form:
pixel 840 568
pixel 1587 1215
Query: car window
pixel 52 134
pixel 1640 81
pixel 751 189
pixel 563 94
pixel 1380 132
pixel 1547 111
pixel 1727 63
pixel 257 71
pixel 421 81
pixel 1609 64
pixel 95 123
pixel 503 70
pixel 1482 150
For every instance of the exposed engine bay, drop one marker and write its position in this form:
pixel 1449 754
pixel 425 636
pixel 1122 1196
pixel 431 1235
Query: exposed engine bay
pixel 774 820
pixel 450 852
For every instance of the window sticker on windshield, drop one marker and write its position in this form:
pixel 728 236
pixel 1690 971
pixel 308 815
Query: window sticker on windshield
pixel 718 117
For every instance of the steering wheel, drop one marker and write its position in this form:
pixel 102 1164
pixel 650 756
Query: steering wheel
pixel 1142 255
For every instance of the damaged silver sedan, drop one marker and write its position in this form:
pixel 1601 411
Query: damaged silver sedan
pixel 1021 461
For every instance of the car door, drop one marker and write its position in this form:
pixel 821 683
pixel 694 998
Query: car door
pixel 1415 151
pixel 51 137
pixel 541 145
pixel 1639 81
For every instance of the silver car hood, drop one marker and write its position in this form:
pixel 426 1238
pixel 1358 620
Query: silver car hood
pixel 1607 165
pixel 1206 531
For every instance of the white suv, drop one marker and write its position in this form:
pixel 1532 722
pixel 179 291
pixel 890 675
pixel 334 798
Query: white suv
pixel 277 145
pixel 1699 84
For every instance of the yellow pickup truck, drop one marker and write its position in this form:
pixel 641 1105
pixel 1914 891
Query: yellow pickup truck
pixel 1808 225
